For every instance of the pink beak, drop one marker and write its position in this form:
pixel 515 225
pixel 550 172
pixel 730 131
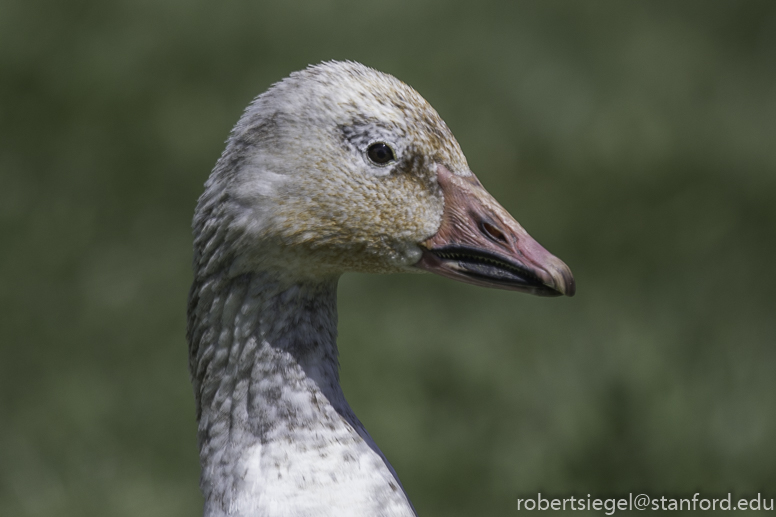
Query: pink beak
pixel 481 244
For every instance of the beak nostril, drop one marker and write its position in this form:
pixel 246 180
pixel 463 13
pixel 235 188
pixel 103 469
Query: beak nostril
pixel 493 233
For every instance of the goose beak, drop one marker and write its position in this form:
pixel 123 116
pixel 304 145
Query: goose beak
pixel 480 243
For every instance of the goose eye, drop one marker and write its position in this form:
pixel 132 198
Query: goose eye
pixel 380 153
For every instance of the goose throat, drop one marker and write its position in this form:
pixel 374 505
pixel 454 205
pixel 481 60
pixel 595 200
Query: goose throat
pixel 272 416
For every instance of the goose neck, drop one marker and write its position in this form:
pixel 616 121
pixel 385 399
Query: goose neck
pixel 263 359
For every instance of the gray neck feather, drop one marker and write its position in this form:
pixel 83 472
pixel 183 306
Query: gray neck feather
pixel 263 360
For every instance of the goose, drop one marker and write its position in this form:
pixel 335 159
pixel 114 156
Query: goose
pixel 336 168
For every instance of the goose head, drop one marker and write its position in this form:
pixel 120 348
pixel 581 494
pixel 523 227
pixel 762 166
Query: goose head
pixel 342 168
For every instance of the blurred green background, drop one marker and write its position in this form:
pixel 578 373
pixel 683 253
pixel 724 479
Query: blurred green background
pixel 635 140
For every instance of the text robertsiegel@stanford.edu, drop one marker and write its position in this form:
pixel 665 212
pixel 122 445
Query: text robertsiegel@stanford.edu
pixel 644 502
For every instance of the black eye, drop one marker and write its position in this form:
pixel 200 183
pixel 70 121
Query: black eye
pixel 380 153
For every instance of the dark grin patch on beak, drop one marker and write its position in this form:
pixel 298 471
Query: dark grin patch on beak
pixel 488 269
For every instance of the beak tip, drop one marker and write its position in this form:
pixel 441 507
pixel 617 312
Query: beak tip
pixel 563 281
pixel 570 286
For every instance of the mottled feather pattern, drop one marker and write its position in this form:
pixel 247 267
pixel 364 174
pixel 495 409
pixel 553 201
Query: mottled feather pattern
pixel 293 203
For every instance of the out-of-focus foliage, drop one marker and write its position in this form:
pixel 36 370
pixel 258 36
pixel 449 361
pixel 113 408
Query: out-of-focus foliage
pixel 636 140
